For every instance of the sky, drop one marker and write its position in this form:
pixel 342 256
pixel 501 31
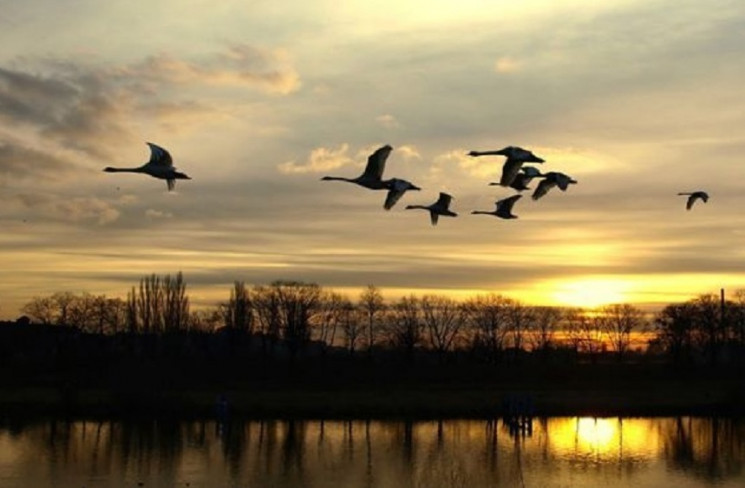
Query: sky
pixel 257 100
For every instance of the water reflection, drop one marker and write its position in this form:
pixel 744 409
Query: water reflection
pixel 554 452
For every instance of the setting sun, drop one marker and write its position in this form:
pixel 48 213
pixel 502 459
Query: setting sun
pixel 591 292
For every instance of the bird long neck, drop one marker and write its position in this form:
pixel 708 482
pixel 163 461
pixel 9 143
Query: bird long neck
pixel 123 170
pixel 482 212
pixel 338 178
pixel 417 206
pixel 486 153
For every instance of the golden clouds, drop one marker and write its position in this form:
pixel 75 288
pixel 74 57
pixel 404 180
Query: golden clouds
pixel 240 65
pixel 320 159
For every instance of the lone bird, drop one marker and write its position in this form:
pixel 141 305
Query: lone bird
pixel 372 177
pixel 693 196
pixel 550 180
pixel 503 209
pixel 516 156
pixel 440 207
pixel 396 188
pixel 160 166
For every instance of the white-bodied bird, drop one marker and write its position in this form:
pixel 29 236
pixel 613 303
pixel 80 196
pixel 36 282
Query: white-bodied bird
pixel 440 207
pixel 503 208
pixel 516 156
pixel 523 178
pixel 550 180
pixel 396 188
pixel 372 177
pixel 693 196
pixel 159 166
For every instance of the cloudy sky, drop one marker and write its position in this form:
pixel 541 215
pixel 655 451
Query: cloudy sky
pixel 258 100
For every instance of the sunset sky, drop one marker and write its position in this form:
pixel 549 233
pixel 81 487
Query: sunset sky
pixel 256 101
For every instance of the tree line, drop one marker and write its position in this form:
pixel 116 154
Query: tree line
pixel 294 315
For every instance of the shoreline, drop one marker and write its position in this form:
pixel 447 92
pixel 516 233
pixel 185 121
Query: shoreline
pixel 699 399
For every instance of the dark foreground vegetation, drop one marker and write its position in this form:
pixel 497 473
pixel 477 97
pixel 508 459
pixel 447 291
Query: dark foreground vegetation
pixel 292 349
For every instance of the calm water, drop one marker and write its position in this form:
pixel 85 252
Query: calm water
pixel 559 452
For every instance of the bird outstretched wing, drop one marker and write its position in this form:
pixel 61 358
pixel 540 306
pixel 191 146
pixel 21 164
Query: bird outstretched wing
pixel 159 156
pixel 376 163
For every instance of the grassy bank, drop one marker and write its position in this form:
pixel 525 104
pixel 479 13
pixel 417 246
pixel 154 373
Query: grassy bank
pixel 423 401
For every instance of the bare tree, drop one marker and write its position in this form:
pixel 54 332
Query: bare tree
pixel 149 305
pixel 206 320
pixel 132 317
pixel 618 321
pixel 372 303
pixel 158 305
pixel 674 325
pixel 405 325
pixel 487 317
pixel 443 318
pixel 546 322
pixel 41 309
pixel 351 325
pixel 176 303
pixel 709 325
pixel 585 332
pixel 737 317
pixel 238 312
pixel 520 317
pixel 298 302
pixel 330 316
pixel 266 303
pixel 64 303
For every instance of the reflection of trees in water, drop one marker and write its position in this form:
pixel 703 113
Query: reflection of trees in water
pixel 711 448
pixel 369 453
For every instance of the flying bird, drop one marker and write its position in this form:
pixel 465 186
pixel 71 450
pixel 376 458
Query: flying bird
pixel 372 177
pixel 693 196
pixel 503 208
pixel 523 178
pixel 550 180
pixel 440 207
pixel 396 188
pixel 516 156
pixel 159 166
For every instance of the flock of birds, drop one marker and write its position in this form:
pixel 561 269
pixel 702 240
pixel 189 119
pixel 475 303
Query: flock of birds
pixel 515 174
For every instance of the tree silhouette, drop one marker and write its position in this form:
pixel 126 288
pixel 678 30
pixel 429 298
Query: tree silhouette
pixel 372 303
pixel 618 321
pixel 238 311
pixel 443 318
pixel 405 326
pixel 487 317
pixel 674 325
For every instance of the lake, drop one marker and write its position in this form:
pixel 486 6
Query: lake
pixel 550 452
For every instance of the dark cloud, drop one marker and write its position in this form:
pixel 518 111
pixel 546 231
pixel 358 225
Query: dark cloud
pixel 91 108
pixel 17 161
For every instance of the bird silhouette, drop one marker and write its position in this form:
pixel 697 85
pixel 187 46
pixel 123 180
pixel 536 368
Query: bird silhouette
pixel 159 166
pixel 503 208
pixel 523 178
pixel 516 156
pixel 693 196
pixel 372 177
pixel 440 207
pixel 396 188
pixel 550 180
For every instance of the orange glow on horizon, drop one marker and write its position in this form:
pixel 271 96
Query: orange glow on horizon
pixel 591 292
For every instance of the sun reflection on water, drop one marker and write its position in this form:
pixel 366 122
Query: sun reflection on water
pixel 602 439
